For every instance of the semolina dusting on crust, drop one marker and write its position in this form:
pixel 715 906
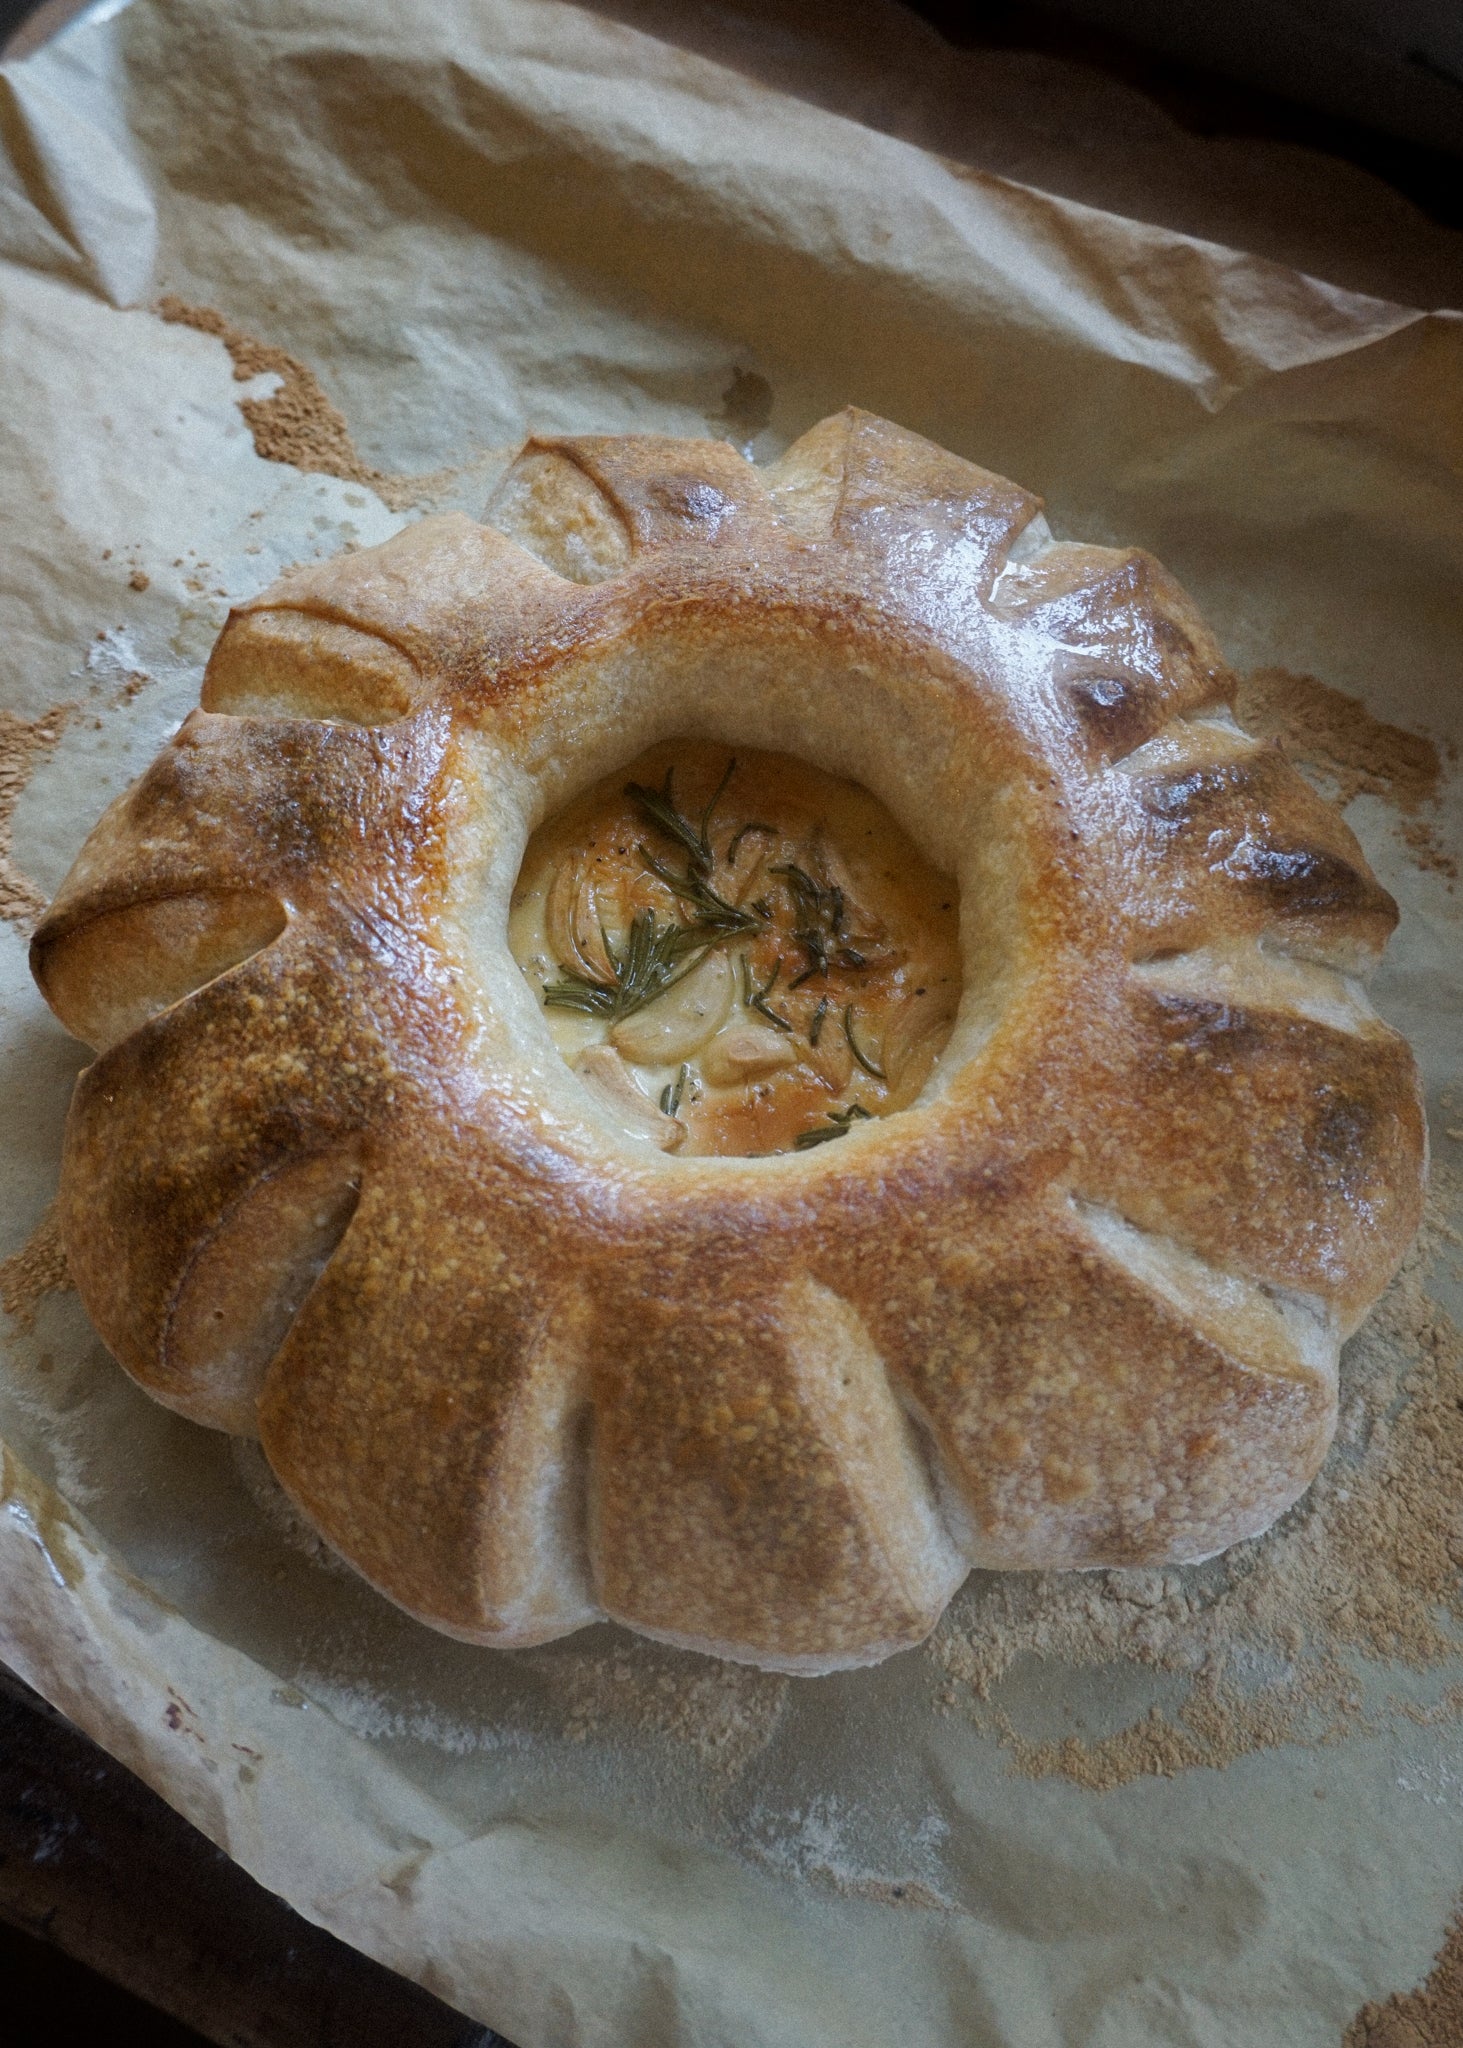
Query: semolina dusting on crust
pixel 330 1182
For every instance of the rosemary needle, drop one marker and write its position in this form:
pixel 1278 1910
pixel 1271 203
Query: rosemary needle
pixel 756 998
pixel 837 1126
pixel 742 831
pixel 869 1066
pixel 651 960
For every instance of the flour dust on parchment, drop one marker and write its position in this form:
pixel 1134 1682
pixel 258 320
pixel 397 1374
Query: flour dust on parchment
pixel 1335 740
pixel 1430 2017
pixel 297 423
pixel 23 743
pixel 724 1713
pixel 36 1270
pixel 1272 1642
pixel 716 1716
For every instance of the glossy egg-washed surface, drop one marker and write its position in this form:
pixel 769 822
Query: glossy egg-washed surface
pixel 329 1179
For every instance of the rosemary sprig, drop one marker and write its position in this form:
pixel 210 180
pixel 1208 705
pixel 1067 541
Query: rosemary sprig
pixel 651 961
pixel 715 917
pixel 756 998
pixel 644 970
pixel 659 805
pixel 670 1095
pixel 837 1126
pixel 869 1066
pixel 753 825
pixel 820 911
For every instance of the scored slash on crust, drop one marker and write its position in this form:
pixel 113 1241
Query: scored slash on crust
pixel 1081 1305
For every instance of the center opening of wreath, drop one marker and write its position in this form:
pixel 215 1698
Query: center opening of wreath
pixel 737 953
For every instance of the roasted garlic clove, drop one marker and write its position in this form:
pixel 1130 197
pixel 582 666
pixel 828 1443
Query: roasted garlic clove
pixel 913 1040
pixel 679 1023
pixel 574 922
pixel 606 1073
pixel 750 878
pixel 857 923
pixel 747 1052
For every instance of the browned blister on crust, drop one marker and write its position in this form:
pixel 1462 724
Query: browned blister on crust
pixel 1278 1145
pixel 1221 837
pixel 329 1181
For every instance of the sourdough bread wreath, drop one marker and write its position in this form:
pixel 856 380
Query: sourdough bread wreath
pixel 1070 1285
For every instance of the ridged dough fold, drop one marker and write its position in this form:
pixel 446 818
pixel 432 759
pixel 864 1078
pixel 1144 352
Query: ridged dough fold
pixel 757 1487
pixel 427 1410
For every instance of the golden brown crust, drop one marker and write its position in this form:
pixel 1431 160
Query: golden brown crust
pixel 1080 1305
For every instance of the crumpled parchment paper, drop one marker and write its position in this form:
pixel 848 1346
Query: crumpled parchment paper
pixel 472 219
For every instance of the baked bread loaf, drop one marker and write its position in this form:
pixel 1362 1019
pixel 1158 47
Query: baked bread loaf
pixel 1077 1301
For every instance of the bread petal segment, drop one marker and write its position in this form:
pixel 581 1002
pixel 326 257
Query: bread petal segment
pixel 171 1130
pixel 447 594
pixel 929 529
pixel 669 493
pixel 248 1282
pixel 554 509
pixel 304 811
pixel 1274 1145
pixel 278 663
pixel 428 1408
pixel 1126 648
pixel 106 977
pixel 757 1488
pixel 1089 1416
pixel 1218 836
